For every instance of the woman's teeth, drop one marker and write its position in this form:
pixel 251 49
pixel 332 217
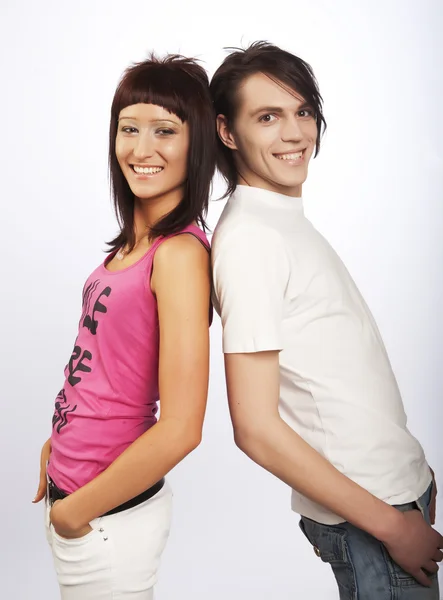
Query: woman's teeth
pixel 147 170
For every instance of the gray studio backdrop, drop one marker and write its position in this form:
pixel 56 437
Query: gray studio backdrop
pixel 375 191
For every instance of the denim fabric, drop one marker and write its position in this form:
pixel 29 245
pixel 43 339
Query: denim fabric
pixel 362 566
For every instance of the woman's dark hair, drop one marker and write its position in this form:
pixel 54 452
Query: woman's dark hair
pixel 280 66
pixel 181 86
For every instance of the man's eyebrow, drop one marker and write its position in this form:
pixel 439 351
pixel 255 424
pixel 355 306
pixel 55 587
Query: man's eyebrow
pixel 266 109
pixel 304 105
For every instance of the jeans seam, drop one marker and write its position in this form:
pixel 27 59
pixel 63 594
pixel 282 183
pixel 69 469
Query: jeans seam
pixel 348 554
pixel 387 560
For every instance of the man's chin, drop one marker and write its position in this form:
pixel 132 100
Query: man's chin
pixel 276 182
pixel 290 187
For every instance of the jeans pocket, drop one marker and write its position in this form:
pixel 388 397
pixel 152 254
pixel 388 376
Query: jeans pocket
pixel 400 578
pixel 72 541
pixel 83 562
pixel 329 543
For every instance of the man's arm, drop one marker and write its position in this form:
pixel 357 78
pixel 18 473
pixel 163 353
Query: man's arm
pixel 253 391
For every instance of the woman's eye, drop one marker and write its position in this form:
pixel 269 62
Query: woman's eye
pixel 165 131
pixel 267 118
pixel 129 130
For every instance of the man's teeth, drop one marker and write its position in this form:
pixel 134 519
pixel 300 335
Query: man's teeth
pixel 147 170
pixel 295 156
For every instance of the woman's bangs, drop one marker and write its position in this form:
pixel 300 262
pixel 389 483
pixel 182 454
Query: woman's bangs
pixel 151 88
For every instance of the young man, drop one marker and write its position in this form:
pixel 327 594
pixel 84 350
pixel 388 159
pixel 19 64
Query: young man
pixel 312 395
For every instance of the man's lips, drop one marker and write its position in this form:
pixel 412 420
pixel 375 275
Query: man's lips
pixel 292 155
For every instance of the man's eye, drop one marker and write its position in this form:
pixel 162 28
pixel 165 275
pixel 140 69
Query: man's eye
pixel 306 113
pixel 267 118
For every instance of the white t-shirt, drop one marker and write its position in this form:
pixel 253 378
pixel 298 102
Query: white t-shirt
pixel 280 286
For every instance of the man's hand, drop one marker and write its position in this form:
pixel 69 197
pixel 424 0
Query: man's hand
pixel 44 457
pixel 415 547
pixel 61 526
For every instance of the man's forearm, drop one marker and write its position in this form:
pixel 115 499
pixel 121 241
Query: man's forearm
pixel 284 453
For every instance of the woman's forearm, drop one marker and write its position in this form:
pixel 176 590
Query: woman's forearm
pixel 140 466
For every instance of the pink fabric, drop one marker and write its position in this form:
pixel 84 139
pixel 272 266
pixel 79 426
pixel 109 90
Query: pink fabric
pixel 110 393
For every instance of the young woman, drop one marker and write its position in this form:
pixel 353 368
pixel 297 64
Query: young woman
pixel 143 336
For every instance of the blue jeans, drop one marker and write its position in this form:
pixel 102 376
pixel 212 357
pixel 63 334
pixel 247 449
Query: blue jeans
pixel 362 566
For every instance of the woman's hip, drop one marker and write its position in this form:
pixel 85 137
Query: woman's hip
pixel 119 558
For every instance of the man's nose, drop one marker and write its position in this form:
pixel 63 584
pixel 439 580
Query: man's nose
pixel 291 131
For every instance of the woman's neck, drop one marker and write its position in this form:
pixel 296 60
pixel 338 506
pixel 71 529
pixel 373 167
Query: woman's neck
pixel 148 211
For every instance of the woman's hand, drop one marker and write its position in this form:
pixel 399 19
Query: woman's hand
pixel 44 457
pixel 61 526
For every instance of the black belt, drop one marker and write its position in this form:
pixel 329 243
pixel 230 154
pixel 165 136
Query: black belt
pixel 55 493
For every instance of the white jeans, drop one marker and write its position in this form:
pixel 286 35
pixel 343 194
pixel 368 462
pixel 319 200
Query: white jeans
pixel 119 558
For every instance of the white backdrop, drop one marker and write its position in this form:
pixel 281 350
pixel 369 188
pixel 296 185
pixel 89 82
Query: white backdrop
pixel 374 191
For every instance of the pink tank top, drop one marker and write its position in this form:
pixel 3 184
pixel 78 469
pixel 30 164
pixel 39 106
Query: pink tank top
pixel 110 393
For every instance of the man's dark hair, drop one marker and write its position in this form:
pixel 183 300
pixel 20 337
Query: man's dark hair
pixel 280 66
pixel 181 86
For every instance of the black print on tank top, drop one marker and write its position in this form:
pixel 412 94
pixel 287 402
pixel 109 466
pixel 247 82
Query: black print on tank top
pixel 79 357
pixel 88 292
pixel 62 409
pixel 80 361
pixel 88 318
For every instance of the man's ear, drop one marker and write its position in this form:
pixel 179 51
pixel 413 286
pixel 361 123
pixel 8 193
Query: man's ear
pixel 224 133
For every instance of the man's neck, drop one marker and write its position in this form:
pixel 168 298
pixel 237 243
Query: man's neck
pixel 263 184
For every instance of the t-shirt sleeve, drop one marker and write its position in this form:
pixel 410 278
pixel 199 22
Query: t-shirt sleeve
pixel 250 272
